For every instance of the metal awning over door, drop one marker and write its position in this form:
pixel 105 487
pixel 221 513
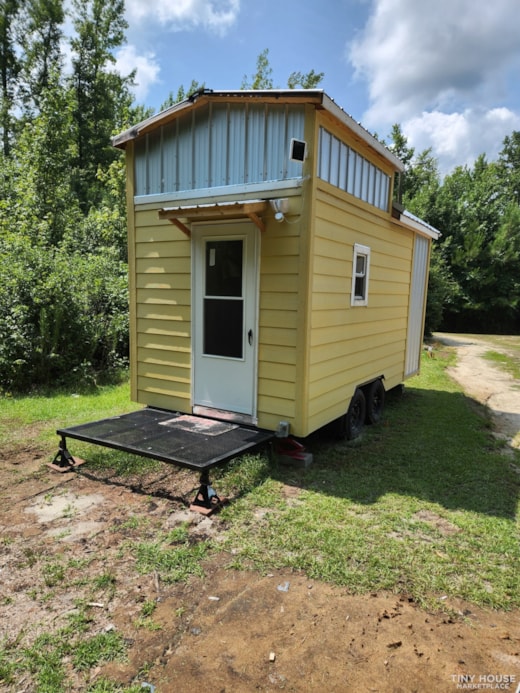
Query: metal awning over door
pixel 186 214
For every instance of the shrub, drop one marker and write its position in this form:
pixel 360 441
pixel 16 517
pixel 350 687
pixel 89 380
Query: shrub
pixel 63 314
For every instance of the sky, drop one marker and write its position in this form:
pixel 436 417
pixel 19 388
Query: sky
pixel 448 71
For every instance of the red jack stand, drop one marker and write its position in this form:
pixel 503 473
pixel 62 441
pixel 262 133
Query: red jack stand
pixel 289 451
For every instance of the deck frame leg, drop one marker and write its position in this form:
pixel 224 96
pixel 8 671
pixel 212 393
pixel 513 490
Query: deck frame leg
pixel 63 460
pixel 206 501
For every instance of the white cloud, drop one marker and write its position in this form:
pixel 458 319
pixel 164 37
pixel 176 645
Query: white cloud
pixel 146 66
pixel 458 138
pixel 214 15
pixel 422 55
pixel 440 69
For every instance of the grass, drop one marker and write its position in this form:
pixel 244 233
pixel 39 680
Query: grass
pixel 509 363
pixel 174 563
pixel 507 352
pixel 45 657
pixel 427 504
pixel 44 412
pixel 424 504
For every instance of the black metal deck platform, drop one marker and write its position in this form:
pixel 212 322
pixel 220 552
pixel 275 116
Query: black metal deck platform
pixel 193 442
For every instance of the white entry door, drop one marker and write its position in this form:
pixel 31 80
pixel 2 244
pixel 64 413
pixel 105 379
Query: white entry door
pixel 225 317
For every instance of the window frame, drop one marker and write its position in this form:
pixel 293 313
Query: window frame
pixel 360 251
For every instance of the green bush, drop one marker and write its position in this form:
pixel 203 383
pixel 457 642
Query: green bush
pixel 63 314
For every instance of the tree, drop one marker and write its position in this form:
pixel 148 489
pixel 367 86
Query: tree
pixel 399 146
pixel 44 155
pixel 41 45
pixel 308 80
pixel 182 93
pixel 509 165
pixel 262 79
pixel 9 68
pixel 102 96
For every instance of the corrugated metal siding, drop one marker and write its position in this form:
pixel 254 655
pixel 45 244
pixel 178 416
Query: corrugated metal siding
pixel 417 296
pixel 343 167
pixel 220 144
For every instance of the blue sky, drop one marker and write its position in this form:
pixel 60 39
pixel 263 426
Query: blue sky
pixel 447 70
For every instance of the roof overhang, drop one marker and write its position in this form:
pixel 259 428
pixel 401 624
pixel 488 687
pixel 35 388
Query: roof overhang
pixel 409 220
pixel 187 214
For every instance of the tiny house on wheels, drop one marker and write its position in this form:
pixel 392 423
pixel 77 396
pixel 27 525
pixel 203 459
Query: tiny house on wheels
pixel 272 282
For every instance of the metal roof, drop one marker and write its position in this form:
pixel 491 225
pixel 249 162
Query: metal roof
pixel 311 96
pixel 419 225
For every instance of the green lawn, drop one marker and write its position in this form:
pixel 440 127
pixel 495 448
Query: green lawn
pixel 425 503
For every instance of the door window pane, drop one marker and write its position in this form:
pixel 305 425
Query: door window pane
pixel 223 299
pixel 223 327
pixel 224 268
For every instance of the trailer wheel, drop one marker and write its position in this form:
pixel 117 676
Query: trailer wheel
pixel 355 416
pixel 375 401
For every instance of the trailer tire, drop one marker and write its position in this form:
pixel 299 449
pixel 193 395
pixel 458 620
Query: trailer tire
pixel 355 416
pixel 375 396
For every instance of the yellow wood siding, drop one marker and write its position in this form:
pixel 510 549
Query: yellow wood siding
pixel 278 324
pixel 349 346
pixel 132 299
pixel 163 312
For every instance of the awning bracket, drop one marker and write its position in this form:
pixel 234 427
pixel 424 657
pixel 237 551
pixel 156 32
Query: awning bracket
pixel 252 209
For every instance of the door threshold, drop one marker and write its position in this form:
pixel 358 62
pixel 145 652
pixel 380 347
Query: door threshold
pixel 223 415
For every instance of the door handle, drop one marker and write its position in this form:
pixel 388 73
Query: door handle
pixel 250 337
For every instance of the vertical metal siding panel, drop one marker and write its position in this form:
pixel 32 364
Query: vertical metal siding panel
pixel 237 145
pixel 201 149
pixel 377 191
pixel 185 173
pixel 161 154
pixel 351 177
pixel 385 183
pixel 324 159
pixel 276 146
pixel 365 180
pixel 371 184
pixel 170 158
pixel 218 146
pixel 358 176
pixel 295 128
pixel 154 162
pixel 343 166
pixel 417 296
pixel 256 144
pixel 140 167
pixel 334 161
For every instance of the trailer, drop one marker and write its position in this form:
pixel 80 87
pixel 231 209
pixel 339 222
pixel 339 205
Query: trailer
pixel 273 282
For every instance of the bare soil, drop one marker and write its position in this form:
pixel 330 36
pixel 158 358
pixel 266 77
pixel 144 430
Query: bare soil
pixel 231 631
pixel 487 384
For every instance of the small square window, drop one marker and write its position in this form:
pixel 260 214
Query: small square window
pixel 360 273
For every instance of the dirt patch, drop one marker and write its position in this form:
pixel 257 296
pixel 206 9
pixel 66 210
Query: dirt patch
pixel 231 630
pixel 61 546
pixel 487 384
